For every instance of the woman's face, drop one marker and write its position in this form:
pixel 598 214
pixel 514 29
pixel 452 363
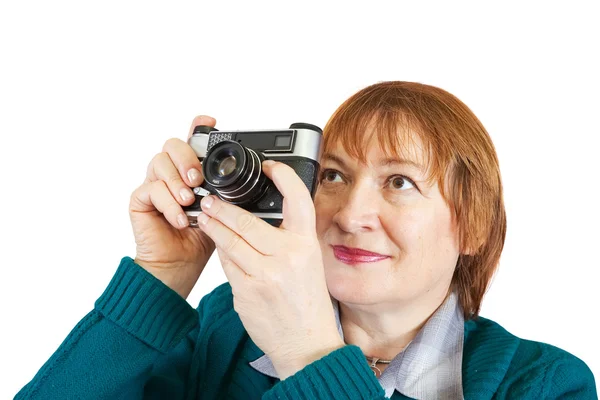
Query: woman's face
pixel 386 208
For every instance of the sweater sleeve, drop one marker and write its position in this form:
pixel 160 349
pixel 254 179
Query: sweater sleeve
pixel 342 374
pixel 137 341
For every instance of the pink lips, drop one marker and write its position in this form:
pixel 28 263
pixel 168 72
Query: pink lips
pixel 356 256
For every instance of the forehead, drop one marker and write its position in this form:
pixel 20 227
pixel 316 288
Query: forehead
pixel 376 149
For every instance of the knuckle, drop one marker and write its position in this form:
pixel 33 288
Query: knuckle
pixel 166 172
pixel 173 180
pixel 158 185
pixel 152 172
pixel 173 209
pixel 216 208
pixel 160 192
pixel 133 198
pixel 137 190
pixel 232 243
pixel 179 153
pixel 143 188
pixel 170 143
pixel 151 164
pixel 245 222
pixel 150 169
pixel 226 263
pixel 158 159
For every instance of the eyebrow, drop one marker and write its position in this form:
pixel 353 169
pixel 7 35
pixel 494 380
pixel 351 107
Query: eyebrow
pixel 383 163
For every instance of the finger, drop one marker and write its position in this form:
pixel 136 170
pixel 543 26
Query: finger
pixel 298 207
pixel 155 195
pixel 234 247
pixel 235 275
pixel 185 160
pixel 201 120
pixel 253 230
pixel 162 168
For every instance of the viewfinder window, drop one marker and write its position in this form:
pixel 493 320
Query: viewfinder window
pixel 283 141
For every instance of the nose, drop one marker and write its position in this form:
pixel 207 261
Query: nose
pixel 358 210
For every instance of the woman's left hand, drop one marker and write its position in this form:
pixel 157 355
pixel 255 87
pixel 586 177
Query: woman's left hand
pixel 276 274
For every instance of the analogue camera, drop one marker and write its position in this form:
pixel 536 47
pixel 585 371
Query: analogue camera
pixel 232 166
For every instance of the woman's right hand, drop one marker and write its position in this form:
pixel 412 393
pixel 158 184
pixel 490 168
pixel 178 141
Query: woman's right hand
pixel 165 245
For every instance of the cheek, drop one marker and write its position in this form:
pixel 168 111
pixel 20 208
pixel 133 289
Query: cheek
pixel 324 214
pixel 405 228
pixel 445 230
pixel 421 232
pixel 435 241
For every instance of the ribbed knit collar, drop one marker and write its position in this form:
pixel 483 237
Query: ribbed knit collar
pixel 430 367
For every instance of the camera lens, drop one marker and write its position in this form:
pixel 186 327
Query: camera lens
pixel 235 172
pixel 227 166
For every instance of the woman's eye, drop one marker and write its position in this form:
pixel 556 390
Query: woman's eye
pixel 396 182
pixel 401 182
pixel 329 175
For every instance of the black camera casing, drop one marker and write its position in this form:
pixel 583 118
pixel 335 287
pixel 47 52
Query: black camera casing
pixel 231 165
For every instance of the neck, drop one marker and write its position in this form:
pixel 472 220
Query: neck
pixel 383 330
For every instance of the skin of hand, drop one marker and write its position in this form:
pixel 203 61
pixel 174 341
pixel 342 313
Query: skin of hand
pixel 165 246
pixel 276 274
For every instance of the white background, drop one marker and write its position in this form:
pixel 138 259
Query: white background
pixel 89 94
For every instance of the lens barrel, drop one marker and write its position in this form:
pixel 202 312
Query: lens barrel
pixel 235 172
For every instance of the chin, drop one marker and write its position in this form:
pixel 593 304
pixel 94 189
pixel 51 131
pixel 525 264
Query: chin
pixel 352 287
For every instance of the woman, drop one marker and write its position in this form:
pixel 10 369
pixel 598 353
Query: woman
pixel 374 290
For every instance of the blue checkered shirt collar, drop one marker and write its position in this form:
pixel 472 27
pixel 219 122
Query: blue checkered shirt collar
pixel 430 367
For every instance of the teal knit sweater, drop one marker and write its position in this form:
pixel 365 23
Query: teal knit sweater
pixel 143 340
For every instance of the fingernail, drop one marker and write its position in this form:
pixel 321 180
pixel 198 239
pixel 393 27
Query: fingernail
pixel 182 220
pixel 207 202
pixel 268 163
pixel 186 194
pixel 202 219
pixel 193 175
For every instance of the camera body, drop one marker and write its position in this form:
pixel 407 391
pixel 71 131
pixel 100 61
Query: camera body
pixel 232 166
